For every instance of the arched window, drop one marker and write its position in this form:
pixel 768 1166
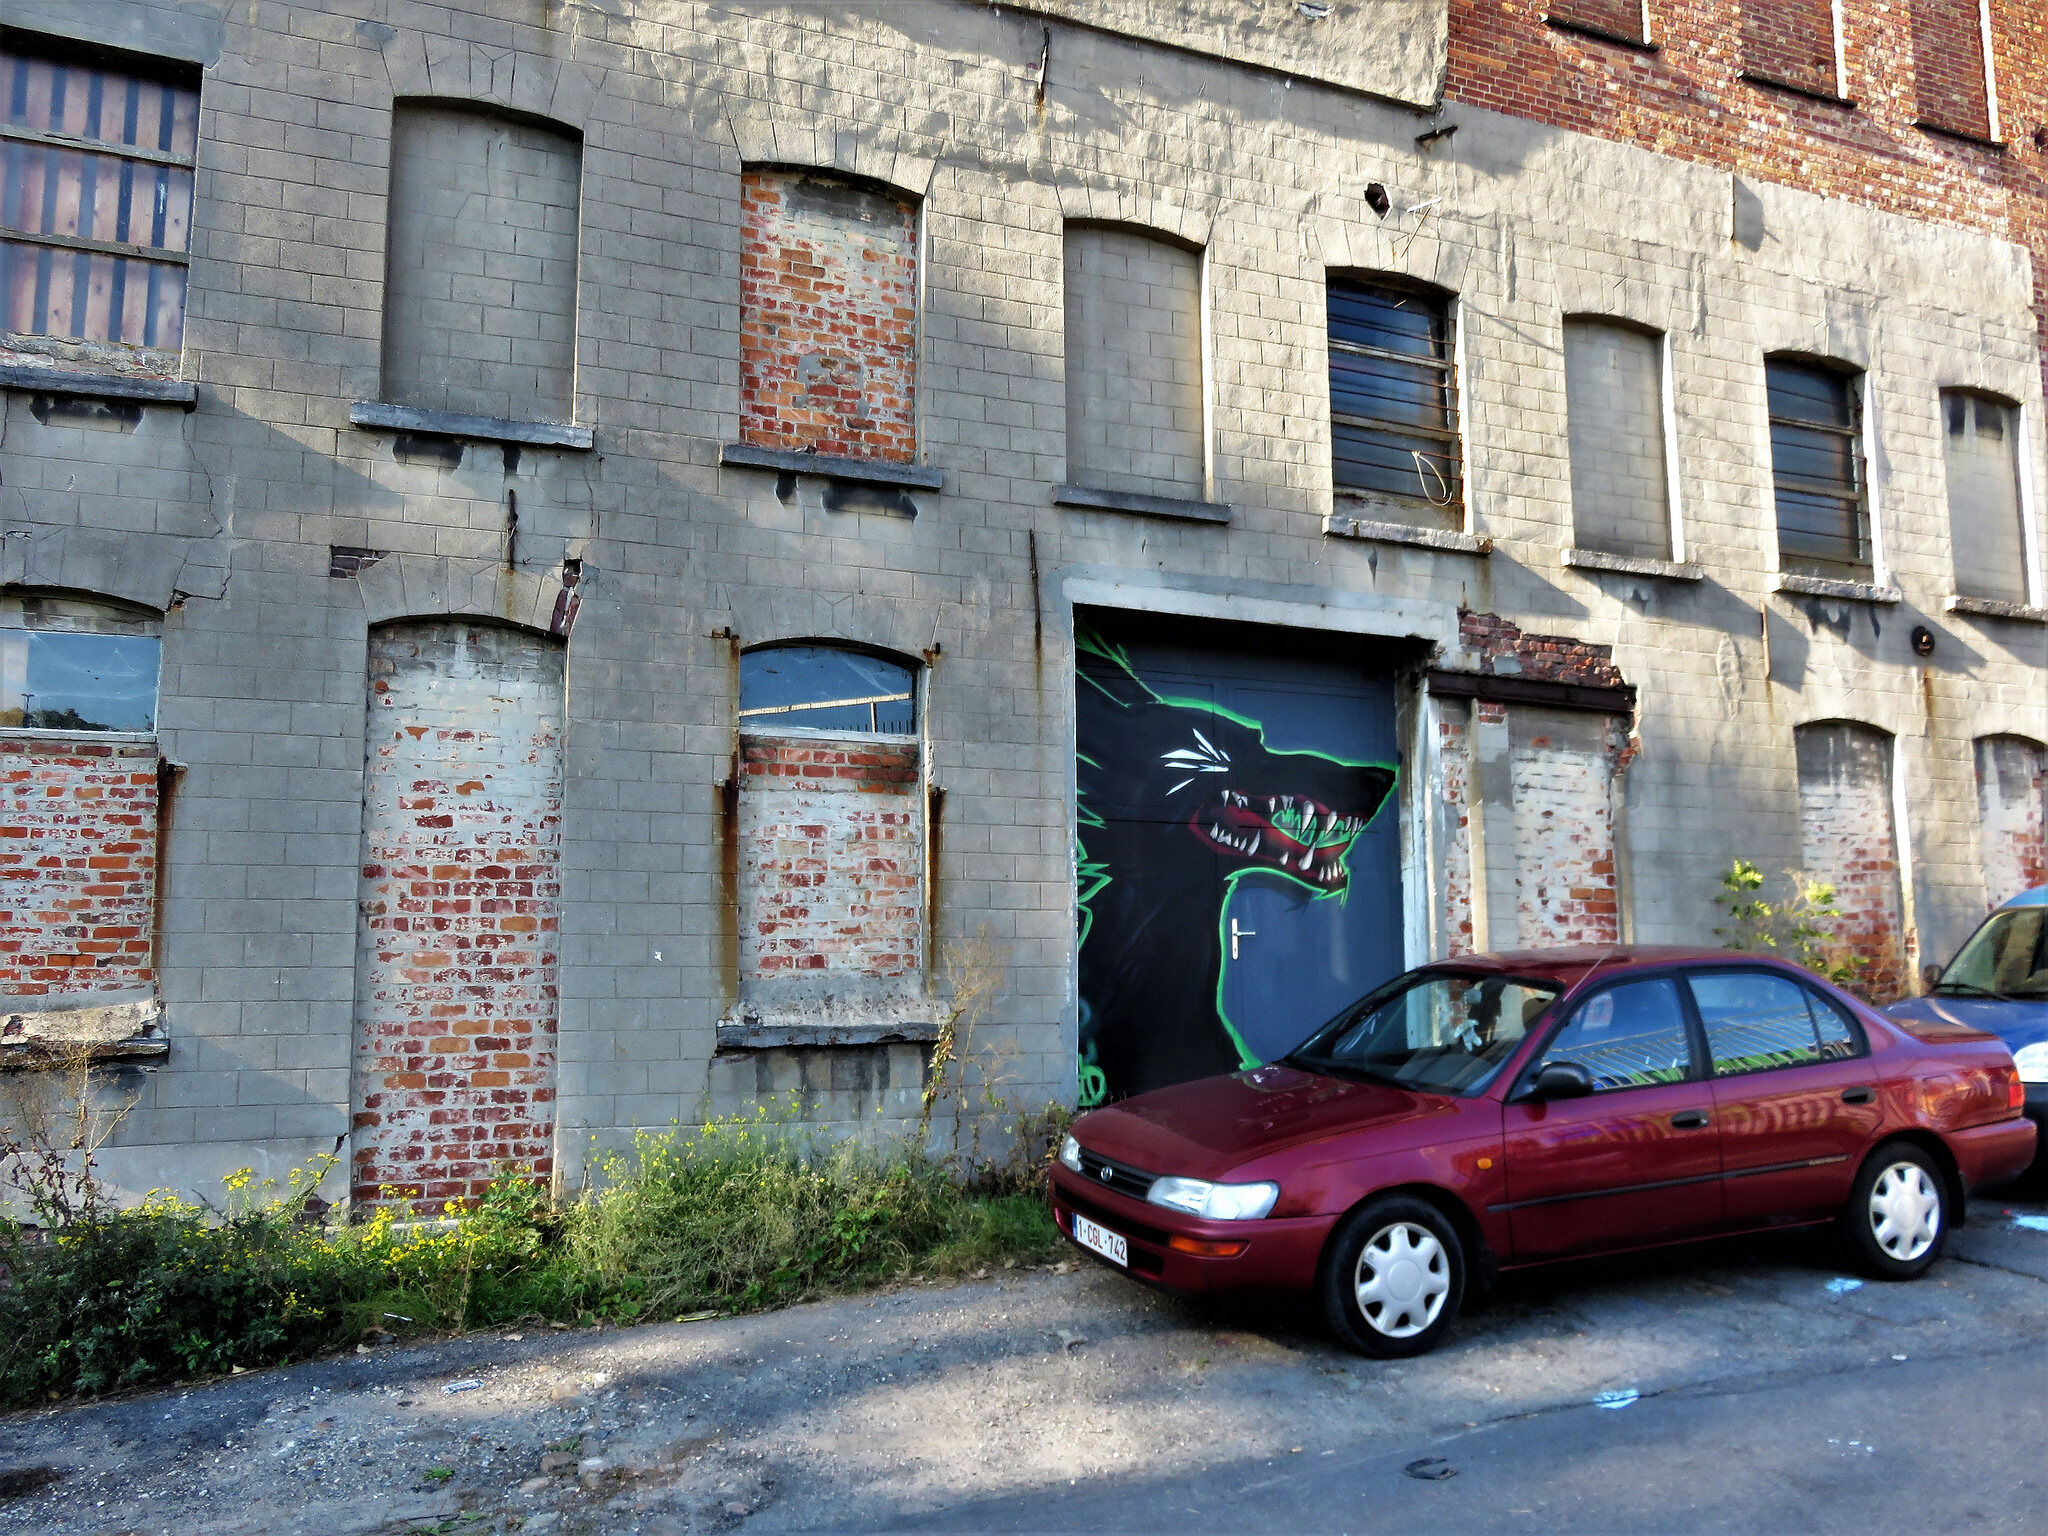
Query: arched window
pixel 1816 412
pixel 77 664
pixel 826 688
pixel 1980 438
pixel 2012 814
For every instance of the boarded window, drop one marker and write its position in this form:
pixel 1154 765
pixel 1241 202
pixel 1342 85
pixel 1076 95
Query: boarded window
pixel 96 206
pixel 1790 42
pixel 828 317
pixel 1817 469
pixel 1393 400
pixel 830 829
pixel 480 283
pixel 1608 18
pixel 2012 815
pixel 78 801
pixel 1134 364
pixel 1614 402
pixel 1951 79
pixel 1848 840
pixel 1981 438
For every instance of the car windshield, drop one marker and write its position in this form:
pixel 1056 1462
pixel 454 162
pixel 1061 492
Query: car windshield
pixel 2007 957
pixel 1434 1031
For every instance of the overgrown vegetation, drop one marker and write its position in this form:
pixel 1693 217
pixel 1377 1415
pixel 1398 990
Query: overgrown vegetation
pixel 1799 925
pixel 738 1215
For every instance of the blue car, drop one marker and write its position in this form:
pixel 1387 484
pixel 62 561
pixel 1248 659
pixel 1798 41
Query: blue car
pixel 1998 982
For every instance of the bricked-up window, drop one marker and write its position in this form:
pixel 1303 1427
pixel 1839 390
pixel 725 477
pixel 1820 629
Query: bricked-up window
pixel 1817 468
pixel 1848 839
pixel 1791 42
pixel 1951 73
pixel 1394 399
pixel 1608 18
pixel 480 274
pixel 78 798
pixel 1981 438
pixel 96 200
pixel 1135 418
pixel 1614 406
pixel 828 316
pixel 2012 815
pixel 830 828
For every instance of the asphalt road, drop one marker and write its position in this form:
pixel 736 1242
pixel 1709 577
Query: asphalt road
pixel 1755 1388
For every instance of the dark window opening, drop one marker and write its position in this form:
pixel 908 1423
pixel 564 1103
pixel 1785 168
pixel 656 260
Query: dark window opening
pixel 1394 398
pixel 1817 469
pixel 824 688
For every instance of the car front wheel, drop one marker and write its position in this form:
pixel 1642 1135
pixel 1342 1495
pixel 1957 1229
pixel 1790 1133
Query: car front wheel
pixel 1897 1218
pixel 1393 1277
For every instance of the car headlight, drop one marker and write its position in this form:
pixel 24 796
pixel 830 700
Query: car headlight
pixel 1217 1202
pixel 1070 1153
pixel 2032 1060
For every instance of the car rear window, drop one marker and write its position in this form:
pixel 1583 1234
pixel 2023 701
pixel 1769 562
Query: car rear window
pixel 1757 1020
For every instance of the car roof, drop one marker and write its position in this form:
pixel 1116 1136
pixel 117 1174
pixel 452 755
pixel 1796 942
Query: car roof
pixel 2037 897
pixel 1571 964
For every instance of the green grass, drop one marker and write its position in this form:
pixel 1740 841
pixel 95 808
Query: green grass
pixel 739 1216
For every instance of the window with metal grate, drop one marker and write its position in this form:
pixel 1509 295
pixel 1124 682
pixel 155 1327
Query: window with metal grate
pixel 1817 469
pixel 1394 400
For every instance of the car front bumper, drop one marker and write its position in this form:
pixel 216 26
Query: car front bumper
pixel 1280 1254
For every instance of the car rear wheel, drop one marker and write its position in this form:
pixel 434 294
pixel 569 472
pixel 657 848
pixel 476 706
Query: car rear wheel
pixel 1393 1277
pixel 1897 1217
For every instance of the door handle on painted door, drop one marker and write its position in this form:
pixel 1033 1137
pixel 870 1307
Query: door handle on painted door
pixel 1858 1095
pixel 1689 1119
pixel 1237 933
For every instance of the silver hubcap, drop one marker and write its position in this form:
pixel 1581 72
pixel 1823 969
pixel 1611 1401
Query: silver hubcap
pixel 1403 1277
pixel 1905 1211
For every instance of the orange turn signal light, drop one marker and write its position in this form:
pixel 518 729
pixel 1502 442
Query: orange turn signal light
pixel 1201 1248
pixel 2015 1093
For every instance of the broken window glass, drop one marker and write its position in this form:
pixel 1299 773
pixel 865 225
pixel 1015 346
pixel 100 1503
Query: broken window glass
pixel 67 664
pixel 826 688
pixel 1817 469
pixel 1393 397
pixel 95 201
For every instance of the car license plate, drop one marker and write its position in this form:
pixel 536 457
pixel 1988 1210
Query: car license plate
pixel 1110 1245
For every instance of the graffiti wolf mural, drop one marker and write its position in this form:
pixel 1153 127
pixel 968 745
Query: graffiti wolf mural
pixel 1180 799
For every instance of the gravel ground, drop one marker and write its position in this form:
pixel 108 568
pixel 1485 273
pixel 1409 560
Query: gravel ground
pixel 1038 1390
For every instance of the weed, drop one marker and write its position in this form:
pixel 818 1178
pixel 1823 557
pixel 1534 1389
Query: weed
pixel 1800 925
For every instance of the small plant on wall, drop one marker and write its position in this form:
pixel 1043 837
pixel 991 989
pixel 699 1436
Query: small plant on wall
pixel 1800 925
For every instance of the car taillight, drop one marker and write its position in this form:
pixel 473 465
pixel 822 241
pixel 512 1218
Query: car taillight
pixel 2015 1092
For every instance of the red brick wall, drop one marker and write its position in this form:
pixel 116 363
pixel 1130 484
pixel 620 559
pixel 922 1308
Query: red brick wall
pixel 1685 101
pixel 1617 18
pixel 1948 65
pixel 1503 649
pixel 456 945
pixel 1847 838
pixel 1455 746
pixel 1563 765
pixel 78 825
pixel 1792 41
pixel 2012 815
pixel 831 860
pixel 828 317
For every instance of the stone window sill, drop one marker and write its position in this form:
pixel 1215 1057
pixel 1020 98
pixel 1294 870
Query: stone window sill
pixel 1600 34
pixel 1345 526
pixel 1634 565
pixel 111 1032
pixel 1827 586
pixel 747 1034
pixel 1960 135
pixel 78 385
pixel 1804 92
pixel 832 466
pixel 1994 608
pixel 377 416
pixel 1181 508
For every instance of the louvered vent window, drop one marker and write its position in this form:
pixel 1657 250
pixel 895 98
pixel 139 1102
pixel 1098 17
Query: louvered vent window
pixel 1394 401
pixel 1817 468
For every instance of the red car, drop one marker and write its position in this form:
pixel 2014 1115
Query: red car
pixel 1496 1111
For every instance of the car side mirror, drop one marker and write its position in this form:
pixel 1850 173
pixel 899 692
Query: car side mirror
pixel 1561 1080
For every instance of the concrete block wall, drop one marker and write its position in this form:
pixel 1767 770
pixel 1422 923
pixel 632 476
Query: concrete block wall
pixel 225 520
pixel 1614 394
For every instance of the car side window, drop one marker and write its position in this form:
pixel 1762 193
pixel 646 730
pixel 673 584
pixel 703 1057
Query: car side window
pixel 1756 1021
pixel 1629 1036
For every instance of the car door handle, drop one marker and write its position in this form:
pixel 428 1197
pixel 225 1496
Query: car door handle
pixel 1689 1119
pixel 1858 1095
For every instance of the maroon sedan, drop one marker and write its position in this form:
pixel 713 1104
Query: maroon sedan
pixel 1497 1111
